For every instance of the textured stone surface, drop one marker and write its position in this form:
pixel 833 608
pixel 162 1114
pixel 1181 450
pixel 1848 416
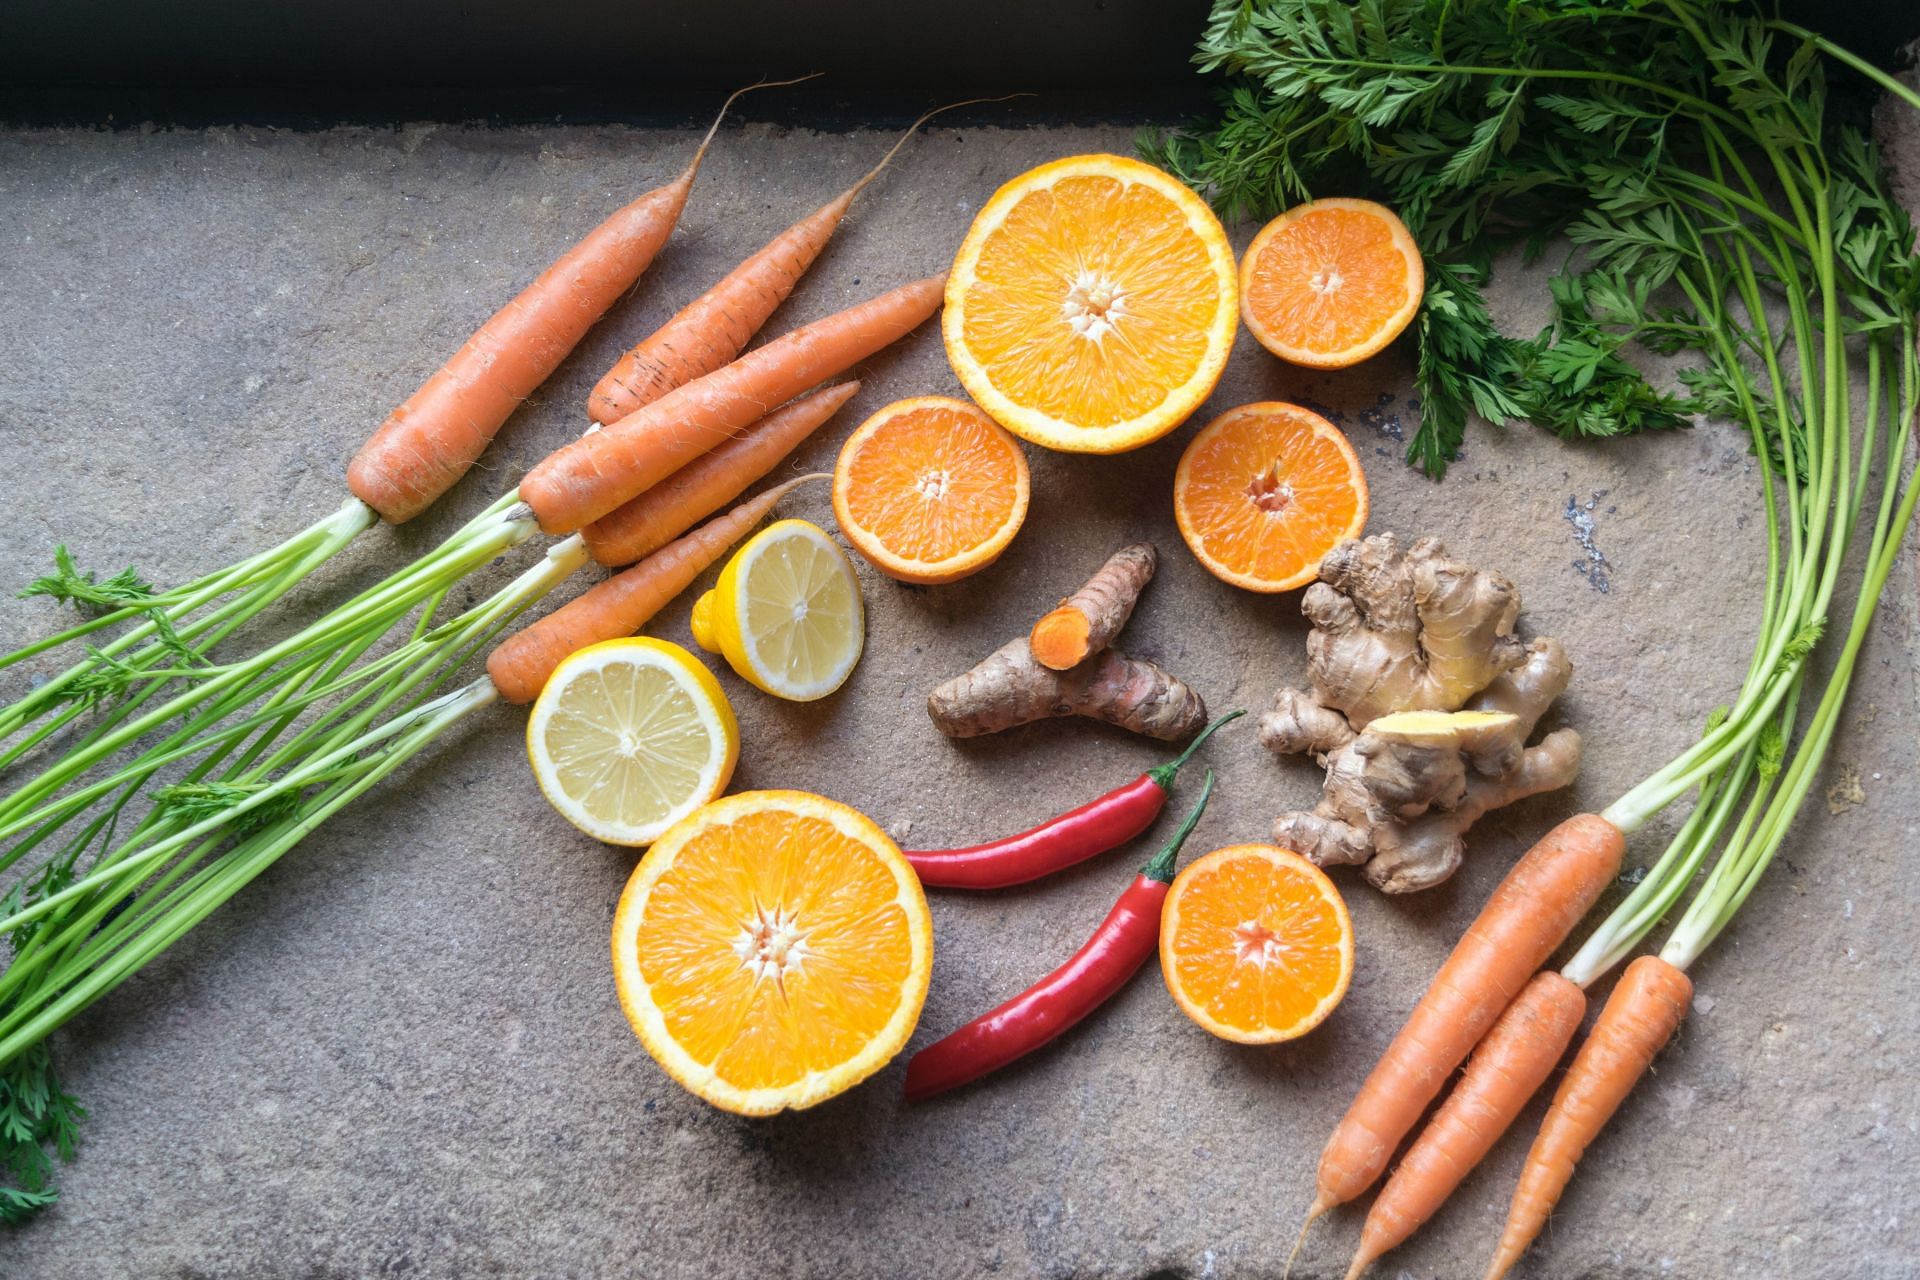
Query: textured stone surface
pixel 399 1051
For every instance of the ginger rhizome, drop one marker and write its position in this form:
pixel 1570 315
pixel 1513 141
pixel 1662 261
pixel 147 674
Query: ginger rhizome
pixel 1019 683
pixel 1421 705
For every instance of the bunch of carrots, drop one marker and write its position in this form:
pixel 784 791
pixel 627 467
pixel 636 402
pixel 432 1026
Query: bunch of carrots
pixel 240 758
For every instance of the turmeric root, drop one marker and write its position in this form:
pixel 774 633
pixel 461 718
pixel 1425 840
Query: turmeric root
pixel 1402 642
pixel 1011 688
pixel 1088 620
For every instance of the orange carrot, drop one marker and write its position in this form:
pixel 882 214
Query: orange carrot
pixel 623 603
pixel 1529 914
pixel 429 442
pixel 590 477
pixel 665 511
pixel 1505 1071
pixel 714 328
pixel 1639 1018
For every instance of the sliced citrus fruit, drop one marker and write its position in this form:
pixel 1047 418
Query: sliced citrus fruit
pixel 630 736
pixel 1255 943
pixel 772 950
pixel 786 613
pixel 1091 306
pixel 930 490
pixel 1328 283
pixel 1264 491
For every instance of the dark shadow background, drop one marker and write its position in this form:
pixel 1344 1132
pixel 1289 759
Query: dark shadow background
pixel 308 63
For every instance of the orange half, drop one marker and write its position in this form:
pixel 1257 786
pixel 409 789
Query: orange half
pixel 772 950
pixel 1256 944
pixel 1091 305
pixel 1331 282
pixel 1264 491
pixel 930 490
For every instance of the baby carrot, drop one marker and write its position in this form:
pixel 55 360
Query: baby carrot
pixel 1504 1072
pixel 1529 914
pixel 595 474
pixel 1639 1018
pixel 715 327
pixel 624 603
pixel 430 441
pixel 664 512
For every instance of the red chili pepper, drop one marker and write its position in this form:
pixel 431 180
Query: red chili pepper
pixel 1115 952
pixel 1095 827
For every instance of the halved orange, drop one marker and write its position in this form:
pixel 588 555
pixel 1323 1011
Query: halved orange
pixel 1328 283
pixel 930 490
pixel 1264 491
pixel 1256 944
pixel 1091 306
pixel 772 950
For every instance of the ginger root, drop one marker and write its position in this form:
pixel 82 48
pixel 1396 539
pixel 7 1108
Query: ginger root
pixel 1020 682
pixel 1087 621
pixel 1397 638
pixel 1011 688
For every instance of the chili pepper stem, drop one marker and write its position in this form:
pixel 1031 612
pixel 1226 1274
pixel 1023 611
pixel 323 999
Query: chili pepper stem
pixel 1162 864
pixel 1162 775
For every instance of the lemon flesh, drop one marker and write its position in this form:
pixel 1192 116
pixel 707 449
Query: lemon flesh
pixel 787 613
pixel 629 737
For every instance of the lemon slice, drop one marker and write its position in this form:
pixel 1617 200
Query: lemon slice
pixel 631 736
pixel 786 613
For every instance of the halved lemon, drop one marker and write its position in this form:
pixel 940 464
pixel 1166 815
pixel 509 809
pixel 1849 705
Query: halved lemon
pixel 772 950
pixel 930 490
pixel 1092 305
pixel 1255 944
pixel 786 613
pixel 630 736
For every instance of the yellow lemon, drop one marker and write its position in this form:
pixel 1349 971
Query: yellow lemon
pixel 786 613
pixel 629 737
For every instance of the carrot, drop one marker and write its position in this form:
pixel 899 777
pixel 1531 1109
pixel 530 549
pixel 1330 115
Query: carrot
pixel 622 604
pixel 715 327
pixel 1529 914
pixel 1505 1071
pixel 429 442
pixel 590 477
pixel 665 511
pixel 1639 1018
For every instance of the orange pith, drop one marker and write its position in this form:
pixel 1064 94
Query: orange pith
pixel 1091 306
pixel 930 489
pixel 772 950
pixel 1256 944
pixel 1264 491
pixel 1329 283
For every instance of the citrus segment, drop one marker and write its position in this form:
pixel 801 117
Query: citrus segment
pixel 786 613
pixel 1256 944
pixel 1329 283
pixel 629 736
pixel 1091 305
pixel 1264 491
pixel 930 490
pixel 772 950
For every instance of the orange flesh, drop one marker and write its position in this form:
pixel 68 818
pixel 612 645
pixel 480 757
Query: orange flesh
pixel 1329 280
pixel 933 482
pixel 1270 492
pixel 774 946
pixel 1258 945
pixel 1121 259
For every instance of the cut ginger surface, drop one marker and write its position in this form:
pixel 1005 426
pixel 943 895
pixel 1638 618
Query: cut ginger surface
pixel 772 950
pixel 1256 944
pixel 1091 307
